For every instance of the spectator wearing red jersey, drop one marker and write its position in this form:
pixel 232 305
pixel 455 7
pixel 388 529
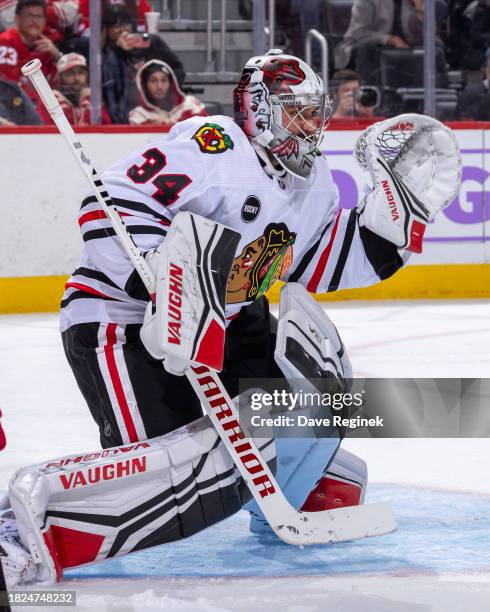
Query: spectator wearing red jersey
pixel 61 17
pixel 163 102
pixel 62 23
pixel 136 8
pixel 25 41
pixel 73 93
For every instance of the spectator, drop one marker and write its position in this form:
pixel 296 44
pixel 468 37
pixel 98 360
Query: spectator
pixel 73 93
pixel 123 53
pixel 350 103
pixel 15 106
pixel 25 41
pixel 163 102
pixel 117 43
pixel 61 16
pixel 474 102
pixel 391 23
pixel 136 9
pixel 158 49
pixel 479 33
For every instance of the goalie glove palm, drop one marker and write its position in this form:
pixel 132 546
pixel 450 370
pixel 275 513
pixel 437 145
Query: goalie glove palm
pixel 415 167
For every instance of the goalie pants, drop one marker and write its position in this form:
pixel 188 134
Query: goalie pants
pixel 130 395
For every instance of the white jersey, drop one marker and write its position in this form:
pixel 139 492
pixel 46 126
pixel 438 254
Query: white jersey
pixel 290 229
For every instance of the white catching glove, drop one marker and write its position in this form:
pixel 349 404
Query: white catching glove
pixel 186 325
pixel 415 166
pixel 17 562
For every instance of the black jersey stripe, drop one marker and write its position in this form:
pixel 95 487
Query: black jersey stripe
pixel 95 275
pixel 132 229
pixel 344 251
pixel 88 200
pixel 307 257
pixel 381 253
pixel 84 295
pixel 139 207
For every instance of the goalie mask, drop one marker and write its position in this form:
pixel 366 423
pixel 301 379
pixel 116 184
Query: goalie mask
pixel 281 105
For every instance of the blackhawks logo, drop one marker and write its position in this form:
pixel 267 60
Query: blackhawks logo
pixel 260 264
pixel 211 138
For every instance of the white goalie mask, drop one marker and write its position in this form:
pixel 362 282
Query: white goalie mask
pixel 281 105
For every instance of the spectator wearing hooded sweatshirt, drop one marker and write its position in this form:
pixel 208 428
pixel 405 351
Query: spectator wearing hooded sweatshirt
pixel 163 102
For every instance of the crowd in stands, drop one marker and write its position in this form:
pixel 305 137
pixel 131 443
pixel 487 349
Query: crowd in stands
pixel 375 53
pixel 382 42
pixel 141 76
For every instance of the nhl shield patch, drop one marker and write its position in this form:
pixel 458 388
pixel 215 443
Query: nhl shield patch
pixel 211 138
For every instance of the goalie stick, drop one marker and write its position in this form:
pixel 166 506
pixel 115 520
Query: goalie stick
pixel 289 524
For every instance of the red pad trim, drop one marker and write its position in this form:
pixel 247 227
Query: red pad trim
pixel 116 382
pixel 416 236
pixel 331 493
pixel 72 547
pixel 53 552
pixel 322 262
pixel 211 348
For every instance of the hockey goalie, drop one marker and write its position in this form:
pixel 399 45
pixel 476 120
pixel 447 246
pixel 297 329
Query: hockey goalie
pixel 221 210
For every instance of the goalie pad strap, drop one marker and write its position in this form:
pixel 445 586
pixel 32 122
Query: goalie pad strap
pixel 85 508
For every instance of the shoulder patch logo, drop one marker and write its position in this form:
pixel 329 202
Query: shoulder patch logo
pixel 250 209
pixel 211 138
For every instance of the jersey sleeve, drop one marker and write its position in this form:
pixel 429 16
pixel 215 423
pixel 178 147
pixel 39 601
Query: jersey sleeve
pixel 148 188
pixel 345 256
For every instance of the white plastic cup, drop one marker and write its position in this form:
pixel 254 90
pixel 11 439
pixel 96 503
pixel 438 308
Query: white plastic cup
pixel 152 21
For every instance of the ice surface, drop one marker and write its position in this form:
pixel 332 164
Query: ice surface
pixel 438 560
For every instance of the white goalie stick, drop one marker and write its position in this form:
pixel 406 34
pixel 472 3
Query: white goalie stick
pixel 291 525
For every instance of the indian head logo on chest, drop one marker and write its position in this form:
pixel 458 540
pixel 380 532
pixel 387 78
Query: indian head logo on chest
pixel 260 264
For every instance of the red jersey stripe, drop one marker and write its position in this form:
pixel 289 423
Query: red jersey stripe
pixel 96 215
pixel 116 382
pixel 322 262
pixel 86 288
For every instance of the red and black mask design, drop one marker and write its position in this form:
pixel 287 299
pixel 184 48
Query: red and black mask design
pixel 280 74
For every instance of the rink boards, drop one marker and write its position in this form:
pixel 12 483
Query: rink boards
pixel 42 189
